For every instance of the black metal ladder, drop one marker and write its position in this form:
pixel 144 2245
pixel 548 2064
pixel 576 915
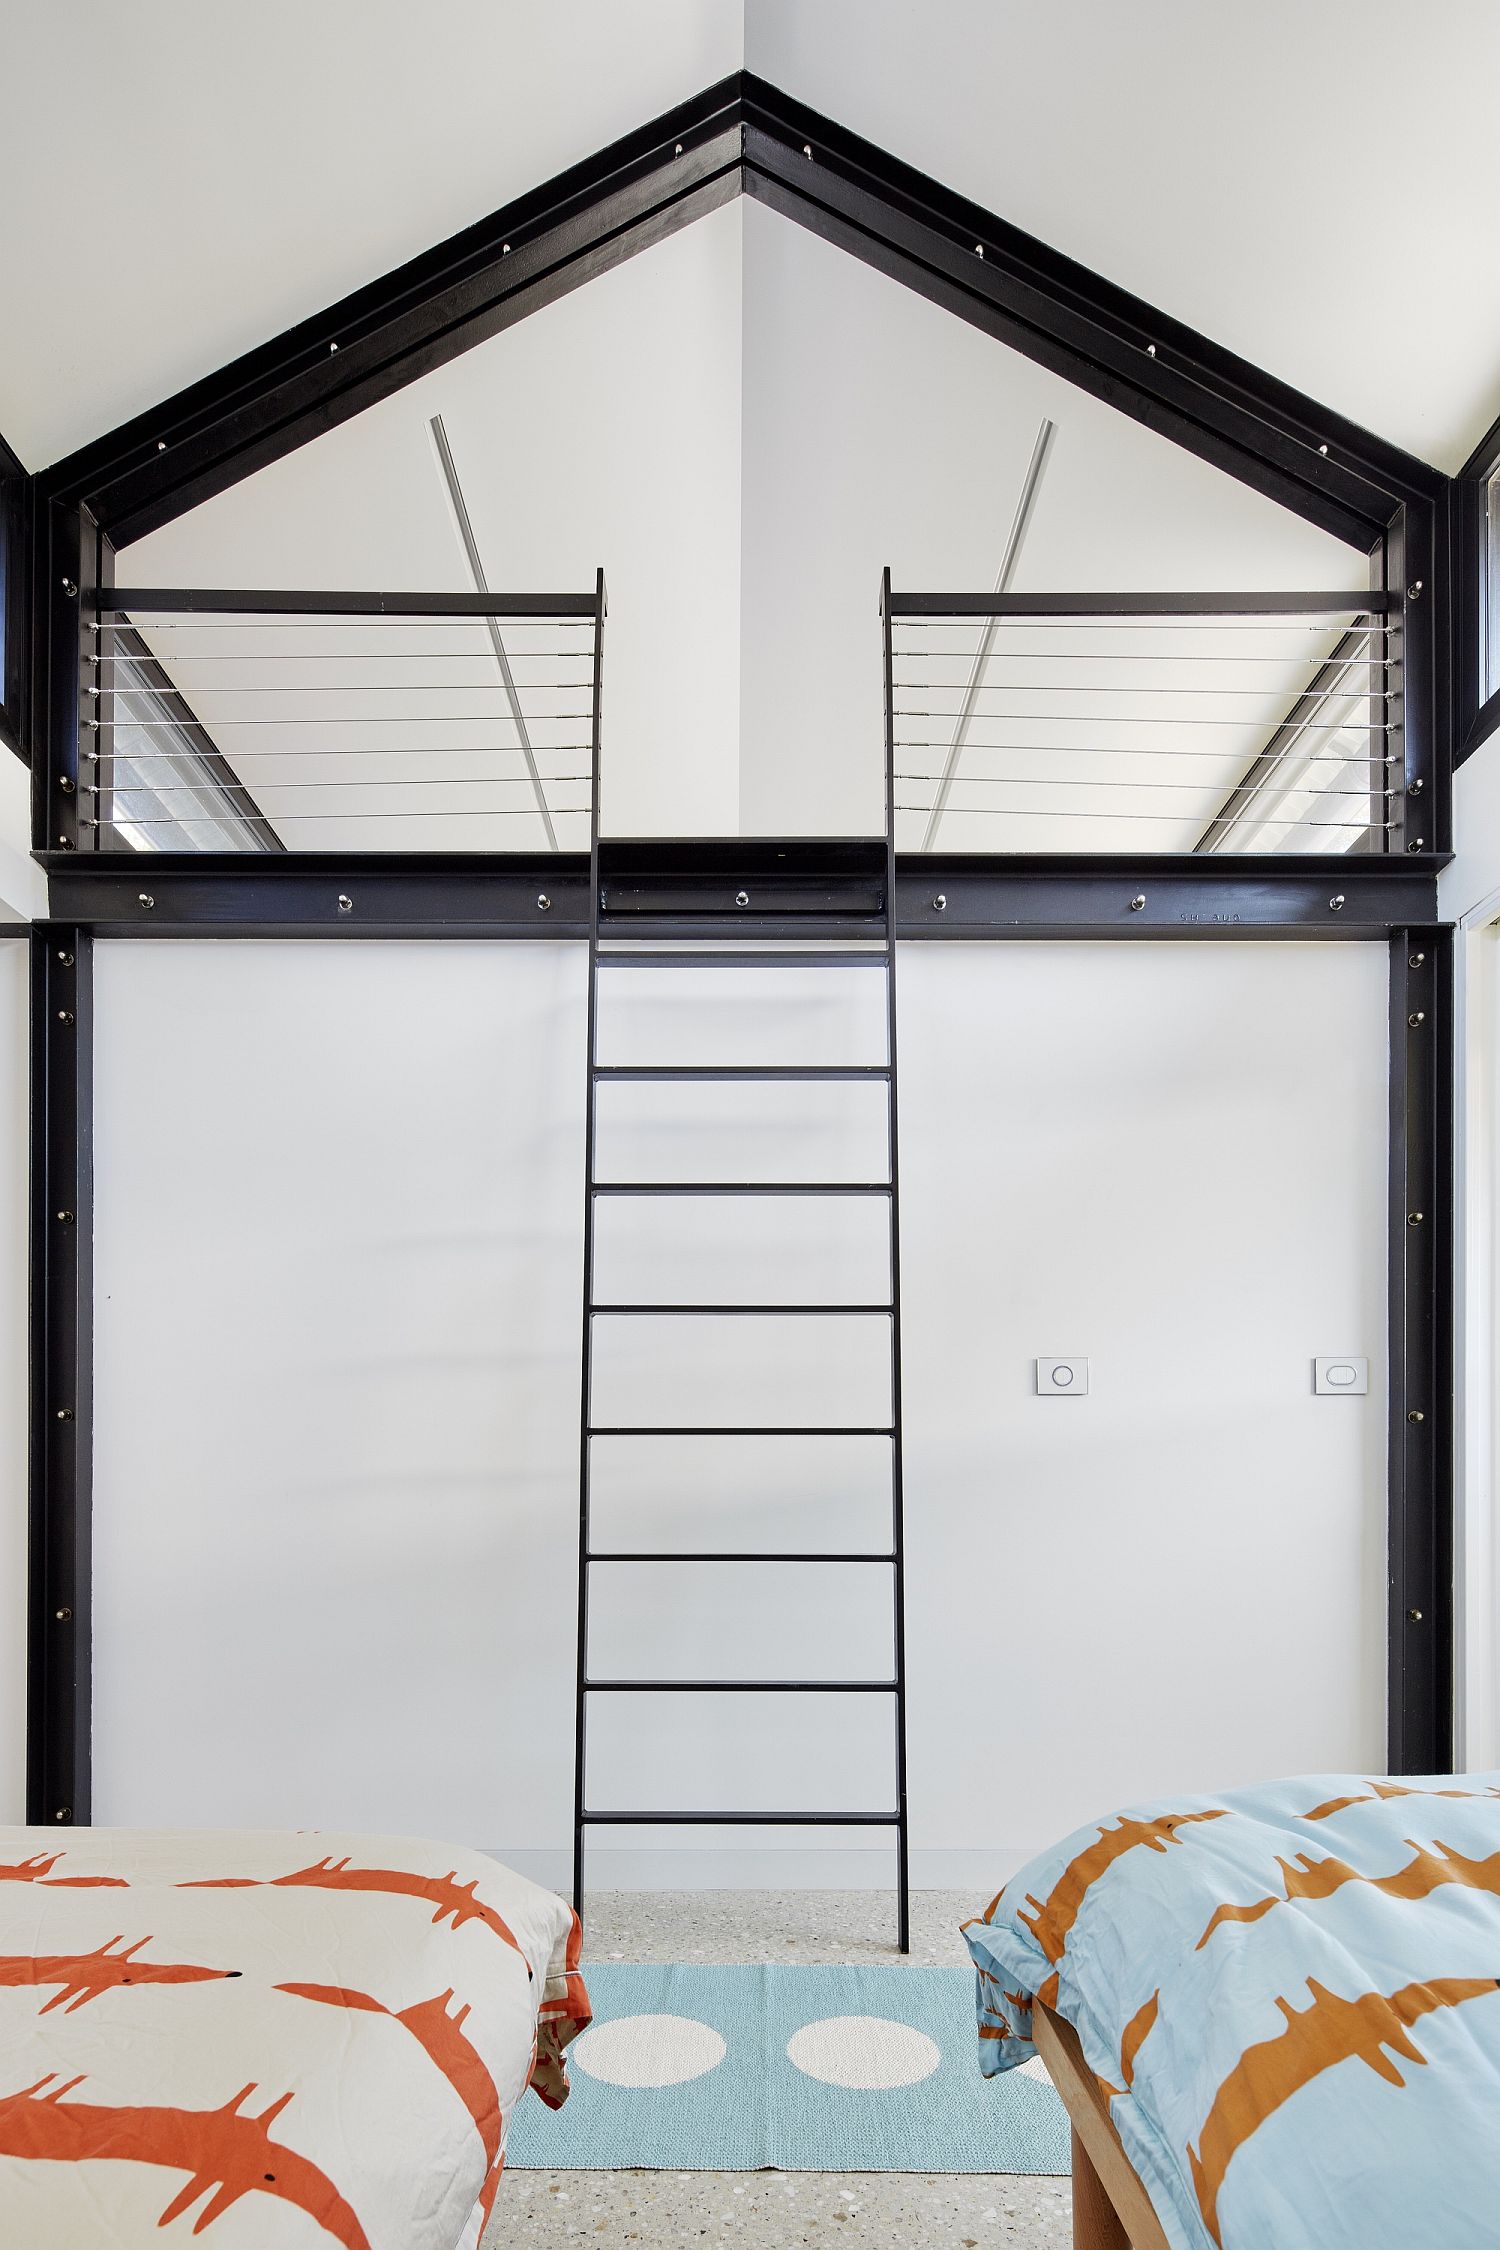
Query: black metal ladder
pixel 874 958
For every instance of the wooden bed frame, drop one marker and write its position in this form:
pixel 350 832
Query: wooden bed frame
pixel 1111 2209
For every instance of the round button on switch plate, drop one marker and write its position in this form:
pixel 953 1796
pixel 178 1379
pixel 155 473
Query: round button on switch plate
pixel 1062 1378
pixel 1341 1374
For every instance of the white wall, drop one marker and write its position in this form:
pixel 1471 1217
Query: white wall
pixel 14 1108
pixel 23 893
pixel 1171 1159
pixel 1473 874
pixel 338 1260
pixel 1477 1551
pixel 338 1229
pixel 1469 896
pixel 23 886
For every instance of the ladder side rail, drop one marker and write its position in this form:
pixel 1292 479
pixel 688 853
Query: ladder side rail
pixel 893 1168
pixel 585 1417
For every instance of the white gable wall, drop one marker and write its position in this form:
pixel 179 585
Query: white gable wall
pixel 339 1197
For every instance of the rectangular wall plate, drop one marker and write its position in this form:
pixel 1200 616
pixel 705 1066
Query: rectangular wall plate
pixel 1062 1378
pixel 1345 1377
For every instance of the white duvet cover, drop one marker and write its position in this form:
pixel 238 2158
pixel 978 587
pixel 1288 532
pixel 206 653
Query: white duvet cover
pixel 268 2041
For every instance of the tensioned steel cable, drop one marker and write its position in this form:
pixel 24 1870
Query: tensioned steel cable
pixel 1008 561
pixel 481 585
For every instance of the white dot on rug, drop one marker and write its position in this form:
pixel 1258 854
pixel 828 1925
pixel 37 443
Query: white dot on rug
pixel 1034 2067
pixel 648 2051
pixel 867 2053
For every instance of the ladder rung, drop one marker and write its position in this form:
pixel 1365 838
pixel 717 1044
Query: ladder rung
pixel 741 1819
pixel 737 1312
pixel 837 958
pixel 741 1073
pixel 742 1187
pixel 718 1555
pixel 739 1429
pixel 740 1687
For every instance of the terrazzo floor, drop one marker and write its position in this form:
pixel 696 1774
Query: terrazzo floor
pixel 777 2210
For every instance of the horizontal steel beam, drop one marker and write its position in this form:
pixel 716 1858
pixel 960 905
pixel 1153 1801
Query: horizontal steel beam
pixel 938 896
pixel 1222 608
pixel 263 602
pixel 156 894
pixel 1182 897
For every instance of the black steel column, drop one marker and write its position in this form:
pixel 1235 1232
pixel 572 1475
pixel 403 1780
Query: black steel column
pixel 1420 1692
pixel 58 1777
pixel 66 561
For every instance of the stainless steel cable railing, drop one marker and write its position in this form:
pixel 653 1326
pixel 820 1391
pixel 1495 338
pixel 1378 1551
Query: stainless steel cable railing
pixel 1159 722
pixel 282 721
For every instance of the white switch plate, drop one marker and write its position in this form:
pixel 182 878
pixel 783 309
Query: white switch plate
pixel 1347 1377
pixel 1062 1378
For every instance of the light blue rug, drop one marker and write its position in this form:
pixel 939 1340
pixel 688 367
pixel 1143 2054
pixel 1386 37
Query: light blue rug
pixel 690 2069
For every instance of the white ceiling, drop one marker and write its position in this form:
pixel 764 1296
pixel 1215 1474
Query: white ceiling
pixel 1313 186
pixel 182 182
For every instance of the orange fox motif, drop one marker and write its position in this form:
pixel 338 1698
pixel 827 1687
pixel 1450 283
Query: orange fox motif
pixel 1331 2030
pixel 225 2154
pixel 1424 1873
pixel 1052 1923
pixel 83 1976
pixel 38 1869
pixel 569 2007
pixel 450 1900
pixel 490 2191
pixel 30 1870
pixel 1380 1792
pixel 1135 2037
pixel 442 2039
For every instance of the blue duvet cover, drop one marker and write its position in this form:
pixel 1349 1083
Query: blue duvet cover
pixel 1290 1996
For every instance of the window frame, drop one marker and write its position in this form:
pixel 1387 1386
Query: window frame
pixel 1476 563
pixel 13 641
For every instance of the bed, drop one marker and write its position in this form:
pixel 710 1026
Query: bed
pixel 268 2042
pixel 1273 2015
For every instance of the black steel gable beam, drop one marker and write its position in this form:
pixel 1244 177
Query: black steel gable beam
pixel 313 377
pixel 1082 327
pixel 746 136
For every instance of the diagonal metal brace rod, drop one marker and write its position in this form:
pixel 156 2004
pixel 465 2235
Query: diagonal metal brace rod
pixel 1018 530
pixel 497 641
